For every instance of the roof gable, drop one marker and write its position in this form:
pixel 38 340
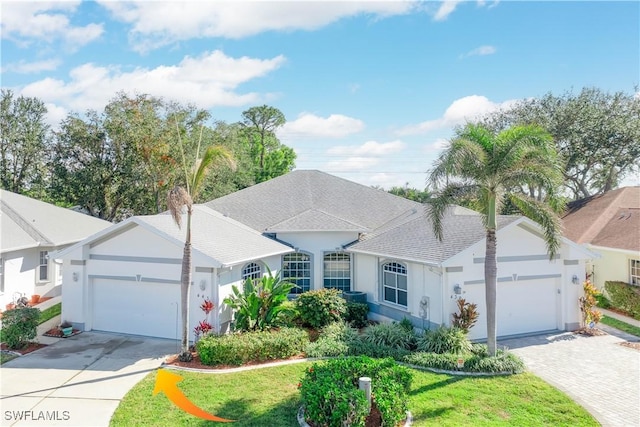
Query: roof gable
pixel 28 222
pixel 611 219
pixel 302 194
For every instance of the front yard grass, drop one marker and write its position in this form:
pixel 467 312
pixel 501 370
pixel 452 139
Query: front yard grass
pixel 50 313
pixel 5 357
pixel 270 397
pixel 623 326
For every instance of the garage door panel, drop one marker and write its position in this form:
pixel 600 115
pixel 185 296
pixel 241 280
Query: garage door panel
pixel 138 308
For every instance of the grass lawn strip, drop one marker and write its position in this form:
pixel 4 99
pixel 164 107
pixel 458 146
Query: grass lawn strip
pixel 270 397
pixel 623 326
pixel 50 313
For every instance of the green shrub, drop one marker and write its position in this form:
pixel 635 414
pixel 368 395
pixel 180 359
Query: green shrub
pixel 444 340
pixel 333 341
pixel 260 346
pixel 320 307
pixel 407 324
pixel 390 334
pixel 603 301
pixel 357 314
pixel 261 304
pixel 331 397
pixel 502 362
pixel 19 326
pixel 362 348
pixel 624 297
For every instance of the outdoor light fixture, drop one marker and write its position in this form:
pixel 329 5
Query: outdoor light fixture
pixel 574 279
pixel 457 289
pixel 203 284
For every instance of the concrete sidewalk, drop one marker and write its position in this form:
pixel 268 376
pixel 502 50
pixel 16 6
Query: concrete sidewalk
pixel 77 381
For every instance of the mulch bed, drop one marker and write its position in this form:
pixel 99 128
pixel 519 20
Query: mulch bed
pixel 590 332
pixel 32 346
pixel 57 333
pixel 633 345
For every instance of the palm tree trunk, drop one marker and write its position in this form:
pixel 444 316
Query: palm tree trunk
pixel 490 273
pixel 185 283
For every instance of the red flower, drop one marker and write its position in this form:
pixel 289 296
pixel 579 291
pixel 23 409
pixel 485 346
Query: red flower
pixel 206 306
pixel 299 385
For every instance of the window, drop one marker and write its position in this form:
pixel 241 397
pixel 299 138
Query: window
pixel 394 283
pixel 296 268
pixel 43 269
pixel 634 278
pixel 337 271
pixel 251 271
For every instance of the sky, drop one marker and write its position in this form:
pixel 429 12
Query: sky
pixel 371 90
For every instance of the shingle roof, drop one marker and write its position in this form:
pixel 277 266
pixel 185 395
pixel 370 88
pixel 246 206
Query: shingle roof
pixel 413 238
pixel 27 223
pixel 225 241
pixel 610 220
pixel 299 199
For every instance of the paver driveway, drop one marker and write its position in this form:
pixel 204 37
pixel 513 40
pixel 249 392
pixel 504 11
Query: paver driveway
pixel 597 372
pixel 78 381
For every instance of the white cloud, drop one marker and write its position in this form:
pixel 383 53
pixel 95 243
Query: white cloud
pixel 23 67
pixel 351 164
pixel 446 8
pixel 209 80
pixel 460 111
pixel 480 51
pixel 155 24
pixel 369 148
pixel 309 125
pixel 27 21
pixel 437 145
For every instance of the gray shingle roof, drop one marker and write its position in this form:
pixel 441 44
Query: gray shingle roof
pixel 294 200
pixel 225 241
pixel 27 223
pixel 413 238
pixel 315 220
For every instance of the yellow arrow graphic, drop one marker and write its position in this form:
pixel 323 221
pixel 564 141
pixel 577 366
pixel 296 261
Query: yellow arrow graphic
pixel 168 383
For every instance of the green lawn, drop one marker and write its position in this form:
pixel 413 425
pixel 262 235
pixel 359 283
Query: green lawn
pixel 625 327
pixel 269 397
pixel 50 313
pixel 5 357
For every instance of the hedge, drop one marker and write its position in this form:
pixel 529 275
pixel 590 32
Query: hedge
pixel 625 297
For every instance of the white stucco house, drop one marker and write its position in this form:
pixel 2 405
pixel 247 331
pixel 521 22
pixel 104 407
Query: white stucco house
pixel 608 224
pixel 29 231
pixel 320 231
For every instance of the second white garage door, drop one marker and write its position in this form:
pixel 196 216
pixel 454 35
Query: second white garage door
pixel 137 308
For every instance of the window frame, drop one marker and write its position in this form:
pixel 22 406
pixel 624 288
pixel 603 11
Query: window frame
pixel 254 274
pixel 404 272
pixel 296 279
pixel 43 266
pixel 634 272
pixel 328 277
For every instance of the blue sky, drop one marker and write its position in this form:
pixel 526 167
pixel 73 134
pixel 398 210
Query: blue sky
pixel 371 90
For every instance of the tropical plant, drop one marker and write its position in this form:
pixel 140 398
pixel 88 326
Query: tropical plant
pixel 444 340
pixel 391 335
pixel 467 315
pixel 180 198
pixel 590 316
pixel 261 304
pixel 320 307
pixel 492 167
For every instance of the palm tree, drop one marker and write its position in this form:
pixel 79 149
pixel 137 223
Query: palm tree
pixel 492 168
pixel 181 197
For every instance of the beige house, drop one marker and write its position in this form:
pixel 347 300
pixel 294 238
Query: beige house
pixel 608 224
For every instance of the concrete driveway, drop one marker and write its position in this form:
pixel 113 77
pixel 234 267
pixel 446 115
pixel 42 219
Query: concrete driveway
pixel 78 381
pixel 596 372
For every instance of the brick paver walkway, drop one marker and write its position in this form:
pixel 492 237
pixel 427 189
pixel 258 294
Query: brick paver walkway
pixel 596 372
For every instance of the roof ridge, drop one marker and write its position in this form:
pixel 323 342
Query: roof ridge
pixel 33 232
pixel 603 219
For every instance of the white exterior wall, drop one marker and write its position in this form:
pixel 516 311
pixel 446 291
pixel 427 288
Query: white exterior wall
pixel 21 275
pixel 614 265
pixel 317 243
pixel 422 280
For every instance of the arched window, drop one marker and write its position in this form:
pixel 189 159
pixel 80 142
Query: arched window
pixel 251 271
pixel 337 271
pixel 296 268
pixel 394 283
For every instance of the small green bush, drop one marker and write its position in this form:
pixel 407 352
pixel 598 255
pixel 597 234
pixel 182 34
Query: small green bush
pixel 362 348
pixel 320 307
pixel 19 326
pixel 407 324
pixel 333 341
pixel 357 314
pixel 331 397
pixel 502 362
pixel 603 301
pixel 444 340
pixel 625 297
pixel 390 334
pixel 260 346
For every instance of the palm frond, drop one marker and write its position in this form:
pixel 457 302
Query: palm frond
pixel 542 213
pixel 448 196
pixel 177 199
pixel 212 154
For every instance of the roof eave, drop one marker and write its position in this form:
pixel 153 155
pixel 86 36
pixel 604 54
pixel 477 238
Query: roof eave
pixel 387 255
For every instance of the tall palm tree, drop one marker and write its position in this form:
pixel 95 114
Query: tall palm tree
pixel 182 197
pixel 492 168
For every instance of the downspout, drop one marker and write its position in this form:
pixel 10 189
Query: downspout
pixel 215 291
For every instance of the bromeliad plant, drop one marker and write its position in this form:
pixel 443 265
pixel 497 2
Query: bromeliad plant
pixel 204 327
pixel 261 304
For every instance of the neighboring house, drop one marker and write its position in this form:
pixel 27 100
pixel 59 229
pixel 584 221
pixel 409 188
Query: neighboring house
pixel 321 231
pixel 608 224
pixel 29 231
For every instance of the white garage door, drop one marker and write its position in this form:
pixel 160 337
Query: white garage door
pixel 138 308
pixel 523 307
